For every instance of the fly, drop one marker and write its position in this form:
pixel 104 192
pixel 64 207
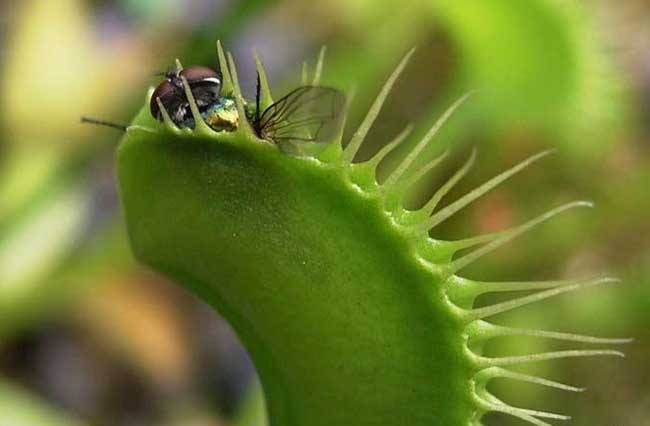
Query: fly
pixel 306 114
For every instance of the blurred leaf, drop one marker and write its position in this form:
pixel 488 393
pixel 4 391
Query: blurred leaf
pixel 19 408
pixel 55 71
pixel 253 409
pixel 539 63
pixel 53 289
pixel 29 252
pixel 49 60
pixel 135 317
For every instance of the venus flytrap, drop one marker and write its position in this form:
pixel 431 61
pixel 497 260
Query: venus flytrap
pixel 353 314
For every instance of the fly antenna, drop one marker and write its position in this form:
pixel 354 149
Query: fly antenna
pixel 89 120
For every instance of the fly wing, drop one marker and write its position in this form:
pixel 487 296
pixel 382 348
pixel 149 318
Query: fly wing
pixel 307 114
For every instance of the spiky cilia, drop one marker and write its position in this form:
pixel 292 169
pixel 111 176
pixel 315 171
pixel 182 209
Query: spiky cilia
pixel 353 314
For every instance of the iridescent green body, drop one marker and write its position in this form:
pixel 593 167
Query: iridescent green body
pixel 223 115
pixel 220 116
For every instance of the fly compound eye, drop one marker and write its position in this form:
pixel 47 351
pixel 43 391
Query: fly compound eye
pixel 168 95
pixel 204 83
pixel 201 75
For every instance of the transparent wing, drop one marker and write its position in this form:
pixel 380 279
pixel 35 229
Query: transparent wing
pixel 307 114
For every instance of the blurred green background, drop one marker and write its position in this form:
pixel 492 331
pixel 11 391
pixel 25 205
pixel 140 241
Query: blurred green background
pixel 88 337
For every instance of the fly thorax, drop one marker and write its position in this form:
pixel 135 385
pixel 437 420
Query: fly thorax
pixel 223 115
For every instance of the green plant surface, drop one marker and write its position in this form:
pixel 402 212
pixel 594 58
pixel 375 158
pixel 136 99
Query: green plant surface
pixel 353 315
